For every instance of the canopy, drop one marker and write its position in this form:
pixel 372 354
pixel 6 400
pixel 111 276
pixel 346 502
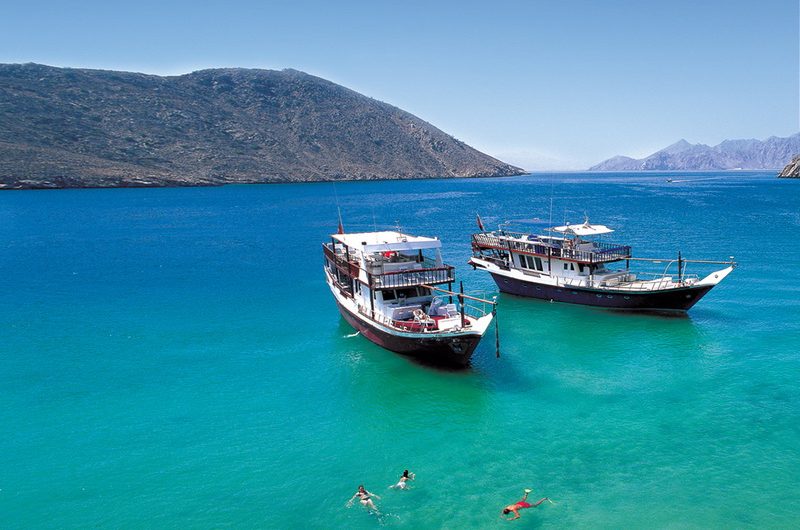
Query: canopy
pixel 584 229
pixel 386 241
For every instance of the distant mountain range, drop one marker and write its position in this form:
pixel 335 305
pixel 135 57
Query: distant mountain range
pixel 772 153
pixel 62 127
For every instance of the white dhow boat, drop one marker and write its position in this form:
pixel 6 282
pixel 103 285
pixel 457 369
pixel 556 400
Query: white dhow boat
pixel 571 265
pixel 385 284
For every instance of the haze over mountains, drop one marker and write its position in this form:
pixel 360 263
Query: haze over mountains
pixel 62 127
pixel 772 153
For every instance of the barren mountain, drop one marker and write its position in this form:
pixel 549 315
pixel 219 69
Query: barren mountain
pixel 792 169
pixel 772 153
pixel 62 127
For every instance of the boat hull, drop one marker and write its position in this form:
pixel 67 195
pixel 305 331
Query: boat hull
pixel 679 299
pixel 451 350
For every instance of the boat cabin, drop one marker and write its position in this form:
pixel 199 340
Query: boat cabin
pixel 570 252
pixel 390 275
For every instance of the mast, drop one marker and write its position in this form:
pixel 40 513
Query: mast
pixel 461 303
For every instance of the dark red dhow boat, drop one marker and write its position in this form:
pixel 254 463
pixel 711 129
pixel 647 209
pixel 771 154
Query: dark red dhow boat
pixel 570 265
pixel 385 286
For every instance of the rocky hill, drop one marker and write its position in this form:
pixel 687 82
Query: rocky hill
pixel 62 127
pixel 772 153
pixel 792 169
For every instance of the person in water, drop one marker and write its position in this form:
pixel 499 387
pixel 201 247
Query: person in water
pixel 403 482
pixel 523 503
pixel 365 498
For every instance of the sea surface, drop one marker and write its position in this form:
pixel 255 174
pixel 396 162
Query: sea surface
pixel 172 358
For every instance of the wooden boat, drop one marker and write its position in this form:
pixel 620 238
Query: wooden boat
pixel 570 264
pixel 385 285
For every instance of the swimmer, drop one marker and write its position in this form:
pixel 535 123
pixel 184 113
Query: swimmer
pixel 365 498
pixel 517 506
pixel 403 482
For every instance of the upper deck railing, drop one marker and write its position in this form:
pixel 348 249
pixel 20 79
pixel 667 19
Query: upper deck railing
pixel 412 272
pixel 558 248
pixel 411 278
pixel 350 268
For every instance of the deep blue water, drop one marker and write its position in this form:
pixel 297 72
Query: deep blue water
pixel 171 358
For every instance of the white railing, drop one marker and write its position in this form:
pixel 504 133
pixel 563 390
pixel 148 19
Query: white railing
pixel 629 282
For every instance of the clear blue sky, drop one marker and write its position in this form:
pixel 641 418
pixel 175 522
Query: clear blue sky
pixel 555 84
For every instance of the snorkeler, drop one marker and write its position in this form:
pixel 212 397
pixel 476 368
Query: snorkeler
pixel 403 482
pixel 517 506
pixel 365 498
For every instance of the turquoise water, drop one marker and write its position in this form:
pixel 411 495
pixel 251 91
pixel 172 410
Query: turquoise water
pixel 172 358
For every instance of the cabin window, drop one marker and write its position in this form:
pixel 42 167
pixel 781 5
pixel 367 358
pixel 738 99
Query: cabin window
pixel 580 267
pixel 411 292
pixel 389 295
pixel 566 267
pixel 527 262
pixel 530 262
pixel 572 266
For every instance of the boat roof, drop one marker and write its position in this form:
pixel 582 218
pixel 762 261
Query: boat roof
pixel 584 229
pixel 386 241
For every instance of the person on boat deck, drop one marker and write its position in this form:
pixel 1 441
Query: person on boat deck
pixel 403 482
pixel 365 498
pixel 523 503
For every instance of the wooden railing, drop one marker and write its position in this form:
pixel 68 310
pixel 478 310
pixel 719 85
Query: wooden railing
pixel 431 276
pixel 395 279
pixel 350 268
pixel 599 253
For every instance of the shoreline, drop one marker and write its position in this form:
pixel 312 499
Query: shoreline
pixel 6 187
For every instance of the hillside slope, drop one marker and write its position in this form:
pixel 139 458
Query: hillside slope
pixel 63 127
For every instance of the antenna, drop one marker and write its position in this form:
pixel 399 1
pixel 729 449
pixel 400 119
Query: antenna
pixel 340 228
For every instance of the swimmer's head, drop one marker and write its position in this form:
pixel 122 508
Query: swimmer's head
pixel 361 487
pixel 405 473
pixel 506 511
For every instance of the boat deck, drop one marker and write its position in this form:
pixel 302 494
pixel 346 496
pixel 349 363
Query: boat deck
pixel 586 252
